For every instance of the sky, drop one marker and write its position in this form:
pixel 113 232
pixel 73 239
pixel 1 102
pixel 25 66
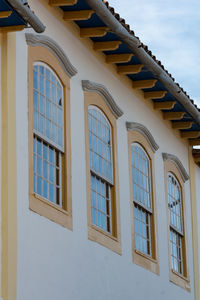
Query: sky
pixel 171 30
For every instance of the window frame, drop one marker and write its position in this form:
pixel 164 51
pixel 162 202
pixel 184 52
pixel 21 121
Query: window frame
pixel 175 277
pixel 40 205
pixel 138 257
pixel 96 234
pixel 108 182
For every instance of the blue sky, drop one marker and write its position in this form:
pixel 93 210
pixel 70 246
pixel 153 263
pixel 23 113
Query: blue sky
pixel 171 30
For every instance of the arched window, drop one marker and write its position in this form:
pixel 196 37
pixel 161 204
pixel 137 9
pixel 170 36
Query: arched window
pixel 101 168
pixel 102 173
pixel 141 181
pixel 49 137
pixel 48 115
pixel 175 176
pixel 175 223
pixel 142 146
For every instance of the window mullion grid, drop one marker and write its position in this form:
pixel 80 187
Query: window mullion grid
pixel 107 199
pixel 148 209
pixel 148 215
pixel 175 229
pixel 148 202
pixel 179 249
pixel 99 169
pixel 43 138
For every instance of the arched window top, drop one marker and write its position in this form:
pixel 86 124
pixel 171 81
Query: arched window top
pixel 100 142
pixel 99 114
pixel 174 203
pixel 140 150
pixel 141 176
pixel 48 103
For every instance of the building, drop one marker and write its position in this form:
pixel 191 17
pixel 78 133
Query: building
pixel 98 177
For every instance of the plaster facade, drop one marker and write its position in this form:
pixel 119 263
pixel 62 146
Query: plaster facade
pixel 56 263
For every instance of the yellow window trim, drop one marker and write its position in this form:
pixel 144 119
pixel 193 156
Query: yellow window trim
pixel 139 258
pixel 194 211
pixel 176 278
pixel 112 242
pixel 38 204
pixel 8 168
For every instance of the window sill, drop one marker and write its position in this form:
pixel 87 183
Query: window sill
pixel 180 280
pixel 146 261
pixel 97 235
pixel 50 210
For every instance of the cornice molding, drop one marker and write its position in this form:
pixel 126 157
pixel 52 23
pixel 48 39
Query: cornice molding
pixel 133 126
pixel 91 86
pixel 47 42
pixel 174 159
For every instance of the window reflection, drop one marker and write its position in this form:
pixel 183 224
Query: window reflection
pixel 48 118
pixel 176 223
pixel 141 184
pixel 100 145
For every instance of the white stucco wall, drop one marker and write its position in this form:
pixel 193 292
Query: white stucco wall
pixel 56 263
pixel 197 175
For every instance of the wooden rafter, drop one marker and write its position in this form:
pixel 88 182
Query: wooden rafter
pixel 62 2
pixel 107 46
pixel 5 14
pixel 76 15
pixel 154 95
pixel 130 69
pixel 164 105
pixel 118 58
pixel 12 28
pixel 173 115
pixel 93 31
pixel 190 134
pixel 182 125
pixel 144 84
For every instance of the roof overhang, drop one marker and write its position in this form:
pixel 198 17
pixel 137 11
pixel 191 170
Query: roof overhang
pixel 112 36
pixel 16 15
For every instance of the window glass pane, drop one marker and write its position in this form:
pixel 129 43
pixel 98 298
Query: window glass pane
pixel 47 171
pixel 176 223
pixel 100 144
pixel 174 203
pixel 100 147
pixel 176 251
pixel 141 181
pixel 48 104
pixel 101 206
pixel 142 230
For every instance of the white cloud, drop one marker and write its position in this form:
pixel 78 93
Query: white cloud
pixel 170 29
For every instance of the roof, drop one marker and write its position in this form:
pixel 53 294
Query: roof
pixel 15 15
pixel 112 36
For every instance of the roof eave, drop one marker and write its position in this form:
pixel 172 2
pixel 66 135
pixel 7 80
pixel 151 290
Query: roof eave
pixel 27 15
pixel 135 45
